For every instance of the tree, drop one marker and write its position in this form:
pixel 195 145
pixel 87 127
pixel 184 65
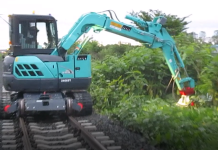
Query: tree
pixel 215 37
pixel 174 24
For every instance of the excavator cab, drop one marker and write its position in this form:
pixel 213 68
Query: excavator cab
pixel 32 34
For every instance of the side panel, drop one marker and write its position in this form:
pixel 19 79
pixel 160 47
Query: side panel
pixel 66 73
pixel 75 74
pixel 30 74
pixel 53 68
pixel 65 69
pixel 83 66
pixel 30 67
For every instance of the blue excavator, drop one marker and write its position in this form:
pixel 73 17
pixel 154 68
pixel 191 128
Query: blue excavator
pixel 45 78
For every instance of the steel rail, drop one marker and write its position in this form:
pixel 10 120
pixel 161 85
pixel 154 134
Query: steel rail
pixel 1 72
pixel 25 138
pixel 88 137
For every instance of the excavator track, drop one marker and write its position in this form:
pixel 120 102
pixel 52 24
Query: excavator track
pixel 54 132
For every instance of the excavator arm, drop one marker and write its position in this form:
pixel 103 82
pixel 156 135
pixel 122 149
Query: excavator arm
pixel 154 35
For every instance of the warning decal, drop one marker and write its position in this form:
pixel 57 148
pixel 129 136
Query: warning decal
pixel 116 26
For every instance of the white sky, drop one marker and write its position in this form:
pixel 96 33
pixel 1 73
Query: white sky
pixel 203 13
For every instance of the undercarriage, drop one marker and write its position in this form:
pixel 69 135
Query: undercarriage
pixel 23 104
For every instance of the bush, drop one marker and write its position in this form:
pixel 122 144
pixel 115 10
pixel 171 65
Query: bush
pixel 163 124
pixel 168 126
pixel 130 88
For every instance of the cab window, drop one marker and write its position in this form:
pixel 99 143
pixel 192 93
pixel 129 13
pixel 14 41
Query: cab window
pixel 37 35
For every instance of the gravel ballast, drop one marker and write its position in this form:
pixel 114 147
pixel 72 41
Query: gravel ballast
pixel 126 139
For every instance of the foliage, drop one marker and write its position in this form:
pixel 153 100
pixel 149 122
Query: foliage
pixel 2 55
pixel 130 87
pixel 208 79
pixel 215 39
pixel 169 127
pixel 195 54
pixel 141 63
pixel 163 124
pixel 116 49
pixel 90 47
pixel 174 24
pixel 98 51
pixel 151 63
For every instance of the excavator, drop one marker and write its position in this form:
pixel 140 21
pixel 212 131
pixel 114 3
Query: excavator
pixel 45 78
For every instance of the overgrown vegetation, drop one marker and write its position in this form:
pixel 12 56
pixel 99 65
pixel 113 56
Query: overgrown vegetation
pixel 129 83
pixel 131 89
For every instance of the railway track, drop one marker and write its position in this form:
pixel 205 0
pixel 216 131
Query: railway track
pixel 53 133
pixel 44 132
